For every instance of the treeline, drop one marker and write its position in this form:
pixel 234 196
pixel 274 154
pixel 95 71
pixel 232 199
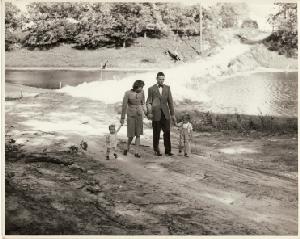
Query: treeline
pixel 118 24
pixel 93 25
pixel 284 38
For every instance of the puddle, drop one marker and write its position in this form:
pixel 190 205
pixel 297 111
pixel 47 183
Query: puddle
pixel 238 150
pixel 223 199
pixel 155 167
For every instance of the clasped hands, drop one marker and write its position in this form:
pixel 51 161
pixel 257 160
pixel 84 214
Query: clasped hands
pixel 150 117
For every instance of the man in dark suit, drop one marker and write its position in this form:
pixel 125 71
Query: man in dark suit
pixel 160 110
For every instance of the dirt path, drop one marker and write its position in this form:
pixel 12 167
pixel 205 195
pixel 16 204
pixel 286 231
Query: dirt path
pixel 232 185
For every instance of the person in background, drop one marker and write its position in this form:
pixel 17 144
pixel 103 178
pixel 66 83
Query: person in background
pixel 160 110
pixel 135 108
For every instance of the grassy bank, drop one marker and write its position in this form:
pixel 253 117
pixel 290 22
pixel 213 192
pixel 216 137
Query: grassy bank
pixel 145 53
pixel 148 53
pixel 240 123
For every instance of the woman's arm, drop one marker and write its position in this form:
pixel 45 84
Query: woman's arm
pixel 143 103
pixel 118 128
pixel 124 108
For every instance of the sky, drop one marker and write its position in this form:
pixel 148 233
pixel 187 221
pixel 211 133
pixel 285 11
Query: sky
pixel 259 11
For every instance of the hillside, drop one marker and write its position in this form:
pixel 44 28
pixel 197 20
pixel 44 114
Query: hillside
pixel 152 53
pixel 145 53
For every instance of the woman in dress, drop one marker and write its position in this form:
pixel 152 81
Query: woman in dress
pixel 135 108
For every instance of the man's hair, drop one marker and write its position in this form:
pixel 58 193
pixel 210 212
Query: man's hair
pixel 160 74
pixel 137 84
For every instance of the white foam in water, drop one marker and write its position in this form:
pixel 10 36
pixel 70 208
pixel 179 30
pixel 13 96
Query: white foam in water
pixel 184 79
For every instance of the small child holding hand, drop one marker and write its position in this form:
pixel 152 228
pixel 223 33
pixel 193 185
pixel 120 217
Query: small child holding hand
pixel 111 141
pixel 185 135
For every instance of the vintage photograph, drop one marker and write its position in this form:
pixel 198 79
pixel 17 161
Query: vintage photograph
pixel 151 118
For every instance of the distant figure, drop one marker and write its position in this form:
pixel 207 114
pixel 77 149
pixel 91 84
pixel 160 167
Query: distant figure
pixel 111 141
pixel 174 55
pixel 185 135
pixel 161 110
pixel 135 108
pixel 105 64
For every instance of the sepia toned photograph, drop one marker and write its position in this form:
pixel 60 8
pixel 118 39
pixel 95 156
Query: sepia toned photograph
pixel 151 118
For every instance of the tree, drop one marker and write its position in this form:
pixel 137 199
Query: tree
pixel 95 27
pixel 12 24
pixel 285 18
pixel 284 38
pixel 231 12
pixel 53 23
pixel 127 18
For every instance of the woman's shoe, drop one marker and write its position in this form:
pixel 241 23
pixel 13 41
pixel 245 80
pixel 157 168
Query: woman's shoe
pixel 125 152
pixel 137 155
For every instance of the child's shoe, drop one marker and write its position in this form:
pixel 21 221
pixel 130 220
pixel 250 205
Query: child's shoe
pixel 137 155
pixel 116 156
pixel 107 157
pixel 186 155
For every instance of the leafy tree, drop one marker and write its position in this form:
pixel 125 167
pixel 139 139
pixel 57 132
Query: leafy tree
pixel 229 17
pixel 285 18
pixel 231 12
pixel 45 34
pixel 284 38
pixel 12 24
pixel 95 27
pixel 53 23
pixel 127 22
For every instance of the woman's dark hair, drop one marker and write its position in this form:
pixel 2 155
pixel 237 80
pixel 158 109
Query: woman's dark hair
pixel 137 84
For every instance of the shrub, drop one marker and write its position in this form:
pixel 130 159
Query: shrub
pixel 44 35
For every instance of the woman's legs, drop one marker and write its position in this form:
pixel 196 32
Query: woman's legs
pixel 128 145
pixel 137 144
pixel 129 142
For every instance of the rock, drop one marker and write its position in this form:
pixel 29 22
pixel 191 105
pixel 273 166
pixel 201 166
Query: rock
pixel 83 145
pixel 91 172
pixel 12 141
pixel 73 149
pixel 76 166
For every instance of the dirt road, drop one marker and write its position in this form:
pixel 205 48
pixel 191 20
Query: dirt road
pixel 232 185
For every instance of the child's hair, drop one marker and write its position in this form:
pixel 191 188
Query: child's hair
pixel 186 116
pixel 111 126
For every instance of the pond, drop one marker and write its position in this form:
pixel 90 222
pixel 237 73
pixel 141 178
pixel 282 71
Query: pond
pixel 267 93
pixel 51 79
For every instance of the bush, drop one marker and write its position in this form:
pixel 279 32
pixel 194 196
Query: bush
pixel 283 41
pixel 11 40
pixel 12 24
pixel 44 34
pixel 249 24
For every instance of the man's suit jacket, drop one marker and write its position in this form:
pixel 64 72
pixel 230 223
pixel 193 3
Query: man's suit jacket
pixel 157 102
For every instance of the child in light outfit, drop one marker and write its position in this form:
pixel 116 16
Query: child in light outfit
pixel 111 141
pixel 185 135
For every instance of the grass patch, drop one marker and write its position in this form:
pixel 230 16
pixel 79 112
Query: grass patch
pixel 145 53
pixel 242 123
